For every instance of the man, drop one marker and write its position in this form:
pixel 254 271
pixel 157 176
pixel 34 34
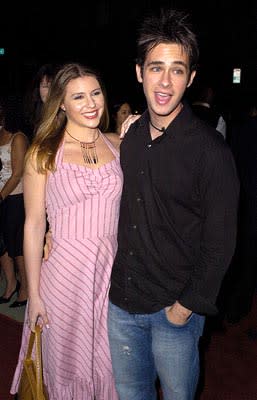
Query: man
pixel 177 224
pixel 203 107
pixel 241 281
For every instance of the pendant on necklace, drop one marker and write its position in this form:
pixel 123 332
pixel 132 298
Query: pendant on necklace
pixel 88 149
pixel 89 152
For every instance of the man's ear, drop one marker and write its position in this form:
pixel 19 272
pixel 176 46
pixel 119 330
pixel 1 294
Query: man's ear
pixel 192 77
pixel 139 73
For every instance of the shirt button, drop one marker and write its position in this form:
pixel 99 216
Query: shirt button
pixel 131 253
pixel 142 172
pixel 139 199
pixel 129 278
pixel 134 227
pixel 149 146
pixel 125 298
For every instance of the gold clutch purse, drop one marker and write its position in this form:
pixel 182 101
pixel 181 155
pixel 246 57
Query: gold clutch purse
pixel 31 385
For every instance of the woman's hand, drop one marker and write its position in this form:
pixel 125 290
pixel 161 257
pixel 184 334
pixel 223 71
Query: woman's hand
pixel 37 314
pixel 48 244
pixel 126 124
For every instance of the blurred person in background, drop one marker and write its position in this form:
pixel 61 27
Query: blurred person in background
pixel 13 146
pixel 241 280
pixel 205 108
pixel 119 113
pixel 36 96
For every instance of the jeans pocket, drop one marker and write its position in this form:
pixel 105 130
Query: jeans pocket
pixel 179 326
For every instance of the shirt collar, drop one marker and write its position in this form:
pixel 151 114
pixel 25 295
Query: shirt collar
pixel 181 123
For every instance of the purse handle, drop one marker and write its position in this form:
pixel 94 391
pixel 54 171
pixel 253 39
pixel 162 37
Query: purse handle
pixel 36 337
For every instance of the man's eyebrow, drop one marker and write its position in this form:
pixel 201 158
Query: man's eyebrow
pixel 176 62
pixel 155 63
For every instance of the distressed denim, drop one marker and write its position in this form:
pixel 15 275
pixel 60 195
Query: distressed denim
pixel 144 346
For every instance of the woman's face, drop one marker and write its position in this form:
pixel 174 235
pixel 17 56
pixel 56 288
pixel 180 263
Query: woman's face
pixel 84 102
pixel 44 88
pixel 123 113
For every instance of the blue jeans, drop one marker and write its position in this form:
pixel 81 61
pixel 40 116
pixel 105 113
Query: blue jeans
pixel 144 346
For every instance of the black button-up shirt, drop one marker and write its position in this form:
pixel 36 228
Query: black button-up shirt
pixel 178 213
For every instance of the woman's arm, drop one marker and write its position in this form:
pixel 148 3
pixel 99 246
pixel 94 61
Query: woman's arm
pixel 126 124
pixel 34 232
pixel 18 151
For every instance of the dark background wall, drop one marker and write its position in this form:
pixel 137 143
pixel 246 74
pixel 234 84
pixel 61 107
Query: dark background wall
pixel 103 34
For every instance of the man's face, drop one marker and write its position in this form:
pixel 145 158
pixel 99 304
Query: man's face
pixel 165 77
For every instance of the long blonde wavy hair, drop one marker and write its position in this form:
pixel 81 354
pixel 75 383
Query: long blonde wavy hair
pixel 51 129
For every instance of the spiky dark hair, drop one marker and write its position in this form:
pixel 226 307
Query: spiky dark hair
pixel 170 26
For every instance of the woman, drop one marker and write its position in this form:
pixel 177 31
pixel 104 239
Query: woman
pixel 36 96
pixel 120 113
pixel 77 175
pixel 13 146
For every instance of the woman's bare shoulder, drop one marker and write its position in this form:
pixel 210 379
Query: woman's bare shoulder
pixel 20 137
pixel 20 141
pixel 114 139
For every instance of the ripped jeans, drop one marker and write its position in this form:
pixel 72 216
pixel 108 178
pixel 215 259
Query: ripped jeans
pixel 144 346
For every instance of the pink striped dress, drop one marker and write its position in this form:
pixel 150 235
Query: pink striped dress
pixel 83 210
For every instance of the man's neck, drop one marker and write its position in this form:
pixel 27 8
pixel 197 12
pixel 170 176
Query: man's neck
pixel 158 124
